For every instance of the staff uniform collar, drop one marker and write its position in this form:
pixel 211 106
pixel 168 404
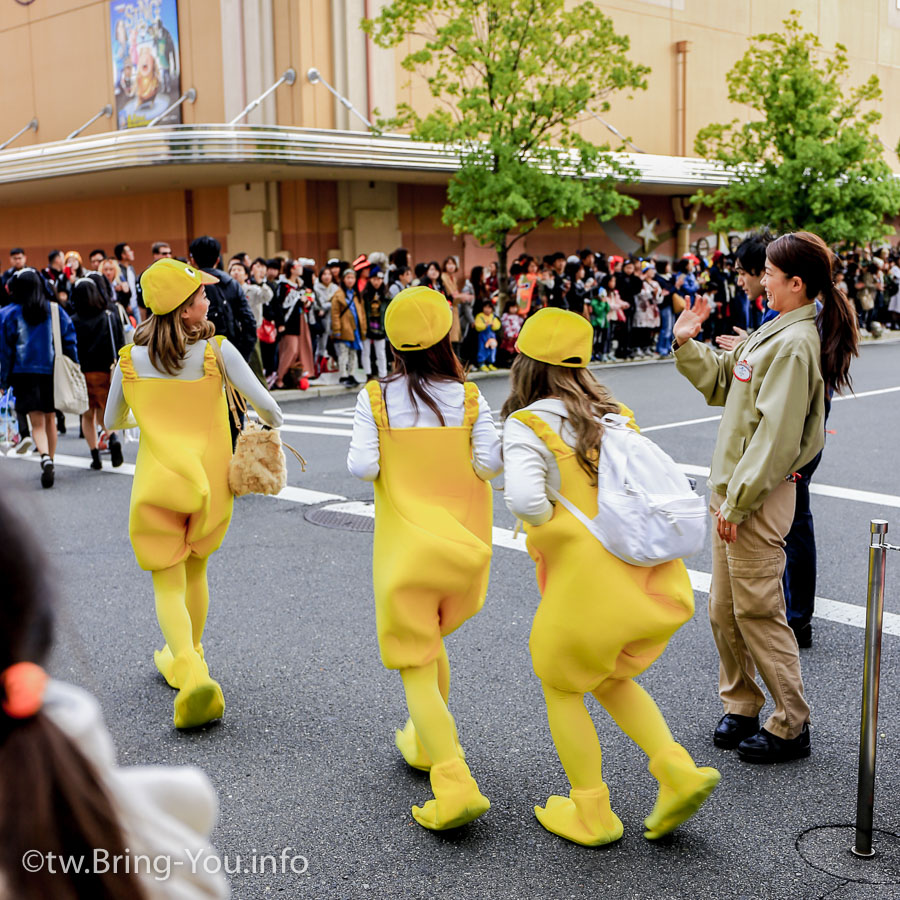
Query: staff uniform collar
pixel 807 311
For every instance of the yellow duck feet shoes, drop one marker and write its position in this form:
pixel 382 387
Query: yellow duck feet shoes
pixel 165 661
pixel 415 754
pixel 457 799
pixel 584 817
pixel 683 789
pixel 200 698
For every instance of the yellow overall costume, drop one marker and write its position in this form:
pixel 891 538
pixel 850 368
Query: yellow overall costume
pixel 431 561
pixel 181 504
pixel 433 527
pixel 600 623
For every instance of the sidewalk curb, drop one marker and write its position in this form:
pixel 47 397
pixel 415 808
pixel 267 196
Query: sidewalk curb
pixel 339 390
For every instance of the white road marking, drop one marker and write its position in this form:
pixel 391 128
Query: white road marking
pixel 830 610
pixel 824 490
pixel 315 429
pixel 297 417
pixel 861 394
pixel 679 424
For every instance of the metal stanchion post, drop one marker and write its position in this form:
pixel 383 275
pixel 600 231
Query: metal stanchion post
pixel 865 796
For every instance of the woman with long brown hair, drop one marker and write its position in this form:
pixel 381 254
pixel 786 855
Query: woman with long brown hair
pixel 773 387
pixel 601 621
pixel 426 439
pixel 61 791
pixel 180 500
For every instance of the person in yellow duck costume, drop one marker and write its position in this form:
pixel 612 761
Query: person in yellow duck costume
pixel 180 500
pixel 601 621
pixel 426 438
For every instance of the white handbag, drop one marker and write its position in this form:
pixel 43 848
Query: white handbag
pixel 70 394
pixel 647 511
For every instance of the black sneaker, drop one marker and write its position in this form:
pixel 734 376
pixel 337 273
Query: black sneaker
pixel 115 451
pixel 351 381
pixel 765 747
pixel 342 380
pixel 47 472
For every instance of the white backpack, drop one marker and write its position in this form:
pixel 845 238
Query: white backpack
pixel 647 511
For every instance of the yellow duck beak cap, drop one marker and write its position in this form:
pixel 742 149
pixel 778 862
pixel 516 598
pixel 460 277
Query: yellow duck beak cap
pixel 417 318
pixel 168 283
pixel 558 337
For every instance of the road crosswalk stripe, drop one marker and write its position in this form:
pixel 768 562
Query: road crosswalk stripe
pixel 830 610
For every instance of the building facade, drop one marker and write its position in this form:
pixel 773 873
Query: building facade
pixel 300 174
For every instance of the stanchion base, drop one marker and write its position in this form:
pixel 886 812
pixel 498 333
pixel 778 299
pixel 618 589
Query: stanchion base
pixel 862 855
pixel 828 848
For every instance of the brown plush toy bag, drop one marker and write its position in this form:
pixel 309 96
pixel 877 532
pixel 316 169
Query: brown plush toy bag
pixel 258 465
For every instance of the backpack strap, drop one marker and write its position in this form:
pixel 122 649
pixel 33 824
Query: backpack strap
pixel 470 414
pixel 126 364
pixel 376 401
pixel 625 411
pixel 557 446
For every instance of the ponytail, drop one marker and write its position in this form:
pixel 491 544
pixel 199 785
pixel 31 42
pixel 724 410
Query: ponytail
pixel 52 801
pixel 51 798
pixel 807 256
pixel 839 336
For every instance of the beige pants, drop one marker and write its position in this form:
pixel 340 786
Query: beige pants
pixel 746 611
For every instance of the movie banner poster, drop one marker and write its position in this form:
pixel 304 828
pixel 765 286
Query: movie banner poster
pixel 146 62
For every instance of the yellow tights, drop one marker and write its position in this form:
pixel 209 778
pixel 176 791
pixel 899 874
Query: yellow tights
pixel 427 689
pixel 457 799
pixel 585 816
pixel 182 603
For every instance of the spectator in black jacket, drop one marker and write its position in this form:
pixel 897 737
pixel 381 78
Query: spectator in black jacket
pixel 229 310
pixel 629 285
pixel 56 278
pixel 98 331
pixel 556 293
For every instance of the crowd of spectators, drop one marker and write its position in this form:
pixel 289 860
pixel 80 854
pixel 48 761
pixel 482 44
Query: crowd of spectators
pixel 294 319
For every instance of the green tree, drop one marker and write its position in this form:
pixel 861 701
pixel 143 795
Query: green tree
pixel 809 159
pixel 510 80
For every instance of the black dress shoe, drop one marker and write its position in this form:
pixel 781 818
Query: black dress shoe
pixel 732 729
pixel 765 747
pixel 803 633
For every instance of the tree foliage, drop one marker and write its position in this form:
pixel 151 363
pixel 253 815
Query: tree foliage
pixel 510 80
pixel 809 159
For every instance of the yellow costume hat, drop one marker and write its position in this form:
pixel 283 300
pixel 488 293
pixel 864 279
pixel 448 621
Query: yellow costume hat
pixel 558 337
pixel 417 318
pixel 168 283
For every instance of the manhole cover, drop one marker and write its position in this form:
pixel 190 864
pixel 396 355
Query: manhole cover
pixel 350 516
pixel 828 849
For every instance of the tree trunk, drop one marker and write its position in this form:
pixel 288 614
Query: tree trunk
pixel 502 275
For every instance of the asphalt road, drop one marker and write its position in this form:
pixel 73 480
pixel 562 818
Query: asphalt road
pixel 304 758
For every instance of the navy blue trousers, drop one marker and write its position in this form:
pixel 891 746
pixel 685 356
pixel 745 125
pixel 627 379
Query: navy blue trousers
pixel 800 550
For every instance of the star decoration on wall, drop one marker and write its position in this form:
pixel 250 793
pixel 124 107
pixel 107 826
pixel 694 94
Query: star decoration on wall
pixel 647 234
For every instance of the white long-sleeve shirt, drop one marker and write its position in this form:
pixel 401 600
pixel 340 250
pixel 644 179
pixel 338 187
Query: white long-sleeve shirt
pixel 239 374
pixel 363 459
pixel 530 465
pixel 166 813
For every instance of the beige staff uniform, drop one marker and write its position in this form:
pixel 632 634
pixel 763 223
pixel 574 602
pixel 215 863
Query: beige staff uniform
pixel 773 392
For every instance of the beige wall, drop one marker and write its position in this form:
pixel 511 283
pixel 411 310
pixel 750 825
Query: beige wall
pixel 55 63
pixel 718 32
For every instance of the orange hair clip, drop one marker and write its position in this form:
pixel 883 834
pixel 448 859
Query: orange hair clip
pixel 24 685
